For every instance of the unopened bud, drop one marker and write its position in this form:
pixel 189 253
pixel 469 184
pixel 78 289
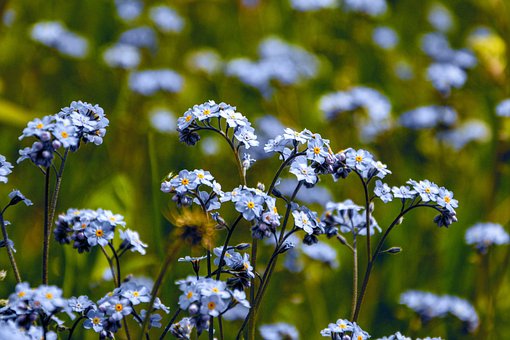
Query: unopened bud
pixel 243 246
pixel 393 250
pixel 371 207
pixel 400 220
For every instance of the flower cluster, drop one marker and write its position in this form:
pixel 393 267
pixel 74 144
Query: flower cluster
pixel 206 297
pixel 54 34
pixel 399 336
pixel 26 305
pixel 343 328
pixel 430 306
pixel 105 316
pixel 277 331
pixel 149 82
pixel 278 61
pixel 188 186
pixel 88 228
pixel 484 235
pixel 80 122
pixel 377 107
pixel 347 217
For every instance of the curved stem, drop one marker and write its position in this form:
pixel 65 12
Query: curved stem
pixel 8 247
pixel 116 282
pixel 377 251
pixel 46 231
pixel 75 324
pixel 367 215
pixel 354 278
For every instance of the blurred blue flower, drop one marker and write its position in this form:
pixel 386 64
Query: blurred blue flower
pixel 129 9
pixel 440 18
pixel 471 130
pixel 312 5
pixel 54 34
pixel 484 235
pixel 444 76
pixel 385 37
pixel 149 82
pixel 280 61
pixel 163 120
pixel 437 47
pixel 322 252
pixel 123 56
pixel 279 331
pixel 425 117
pixel 143 36
pixel 430 306
pixel 166 19
pixel 207 61
pixel 370 7
pixel 503 108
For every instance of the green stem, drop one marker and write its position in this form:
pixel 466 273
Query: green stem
pixel 225 245
pixel 171 254
pixel 8 247
pixel 354 278
pixel 46 231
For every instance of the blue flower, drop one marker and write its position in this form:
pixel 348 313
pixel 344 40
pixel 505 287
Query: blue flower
pixel 427 190
pixel 503 108
pixel 129 9
pixel 185 181
pixel 54 34
pixel 471 130
pixel 150 81
pixel 139 37
pixel 5 169
pixel 444 76
pixel 360 160
pixel 403 192
pixel 80 304
pixel 136 294
pixel 122 56
pixel 95 320
pixel 206 110
pixel 445 199
pixel 65 134
pixel 302 221
pixel 186 120
pixel 425 117
pixel 246 136
pixel 131 240
pixel 117 307
pixel 383 191
pixel 38 126
pixel 250 205
pixel 99 233
pixel 371 7
pixel 385 37
pixel 484 235
pixel 212 305
pixel 440 18
pixel 16 196
pixel 166 19
pixel 182 329
pixel 279 331
pixel 317 149
pixel 302 170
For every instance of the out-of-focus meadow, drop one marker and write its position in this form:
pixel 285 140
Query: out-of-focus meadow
pixel 292 58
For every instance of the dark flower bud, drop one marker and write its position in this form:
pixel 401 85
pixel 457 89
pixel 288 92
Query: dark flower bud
pixel 285 247
pixel 243 246
pixel 193 309
pixel 56 144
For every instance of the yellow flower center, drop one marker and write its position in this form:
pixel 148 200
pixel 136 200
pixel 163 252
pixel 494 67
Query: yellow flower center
pixel 207 112
pixel 21 294
pixel 49 296
pixel 189 295
pixel 99 232
pixel 201 176
pixel 119 307
pixel 359 159
pixel 216 290
pixel 211 305
pixel 275 210
pixel 427 190
pixel 136 294
pixel 188 118
pixel 316 150
pixel 96 320
pixel 447 199
pixel 184 181
pixel 112 218
pixel 250 205
pixel 39 126
pixel 84 225
pixel 360 337
pixel 64 134
pixel 246 265
pixel 343 326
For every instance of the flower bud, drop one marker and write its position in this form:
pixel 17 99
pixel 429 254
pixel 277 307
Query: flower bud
pixel 393 250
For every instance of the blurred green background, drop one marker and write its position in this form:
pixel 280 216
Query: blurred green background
pixel 123 175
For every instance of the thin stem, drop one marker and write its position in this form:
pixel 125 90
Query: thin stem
pixel 171 254
pixel 167 328
pixel 8 247
pixel 225 245
pixel 117 263
pixel 377 251
pixel 58 183
pixel 46 231
pixel 116 282
pixel 75 324
pixel 367 215
pixel 354 277
pixel 280 169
